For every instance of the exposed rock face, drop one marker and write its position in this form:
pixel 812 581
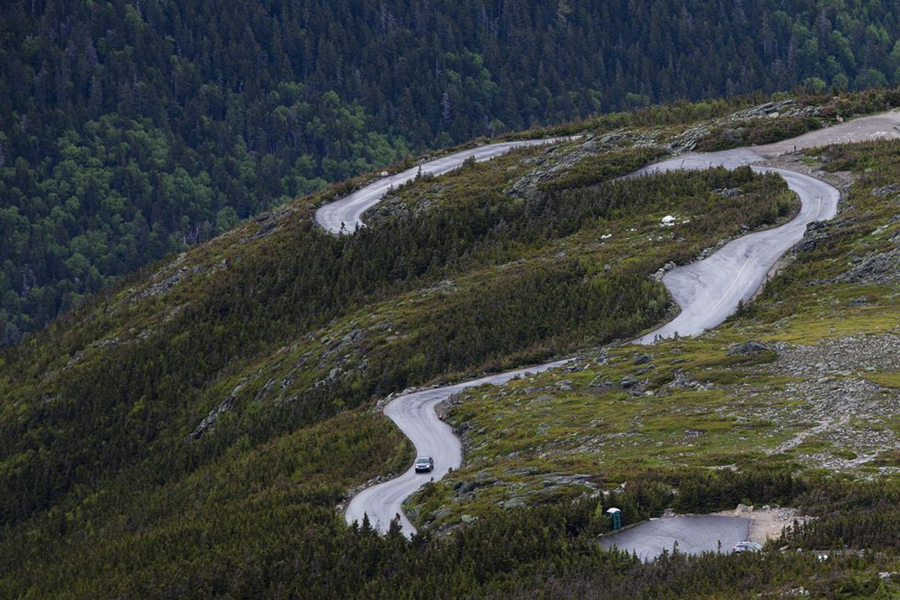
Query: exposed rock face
pixel 886 190
pixel 879 268
pixel 442 409
pixel 599 383
pixel 552 162
pixel 682 381
pixel 734 126
pixel 210 420
pixel 816 233
pixel 167 278
pixel 628 382
pixel 269 222
pixel 730 192
pixel 841 404
pixel 564 385
pixel 661 272
pixel 748 348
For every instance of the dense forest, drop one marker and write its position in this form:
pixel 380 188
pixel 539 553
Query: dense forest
pixel 230 532
pixel 129 130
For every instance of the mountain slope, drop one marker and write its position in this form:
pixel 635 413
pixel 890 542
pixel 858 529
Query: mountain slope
pixel 192 431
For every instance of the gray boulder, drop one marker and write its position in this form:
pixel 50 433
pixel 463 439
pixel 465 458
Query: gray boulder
pixel 748 348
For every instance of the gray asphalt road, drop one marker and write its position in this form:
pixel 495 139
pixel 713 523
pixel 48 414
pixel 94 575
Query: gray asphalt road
pixel 694 535
pixel 707 291
pixel 884 126
pixel 415 416
pixel 345 215
pixel 710 290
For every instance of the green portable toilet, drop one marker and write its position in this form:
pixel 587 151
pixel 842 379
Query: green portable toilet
pixel 615 517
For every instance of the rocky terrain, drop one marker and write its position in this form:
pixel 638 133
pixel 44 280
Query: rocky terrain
pixel 543 165
pixel 817 390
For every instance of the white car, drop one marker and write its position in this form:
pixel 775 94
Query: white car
pixel 424 464
pixel 747 547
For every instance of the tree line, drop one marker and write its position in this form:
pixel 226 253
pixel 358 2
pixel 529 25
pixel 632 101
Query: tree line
pixel 132 130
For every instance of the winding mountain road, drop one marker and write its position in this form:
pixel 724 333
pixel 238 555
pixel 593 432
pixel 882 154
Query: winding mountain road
pixel 414 414
pixel 707 291
pixel 344 216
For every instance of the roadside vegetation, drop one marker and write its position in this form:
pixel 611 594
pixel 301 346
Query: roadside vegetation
pixel 248 531
pixel 819 395
pixel 193 430
pixel 145 390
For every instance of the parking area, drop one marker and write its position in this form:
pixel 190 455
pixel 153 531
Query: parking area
pixel 693 534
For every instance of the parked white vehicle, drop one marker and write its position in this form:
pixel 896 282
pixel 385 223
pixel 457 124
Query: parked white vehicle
pixel 747 546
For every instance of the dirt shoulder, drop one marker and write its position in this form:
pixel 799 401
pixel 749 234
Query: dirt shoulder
pixel 766 523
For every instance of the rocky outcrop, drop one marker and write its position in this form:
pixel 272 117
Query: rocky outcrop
pixel 816 233
pixel 840 404
pixel 661 272
pixel 642 359
pixel 880 269
pixel 268 223
pixel 210 420
pixel 729 192
pixel 552 162
pixel 733 128
pixel 887 190
pixel 748 348
pixel 166 279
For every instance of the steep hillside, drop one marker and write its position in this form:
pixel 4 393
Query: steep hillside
pixel 130 130
pixel 804 378
pixel 192 431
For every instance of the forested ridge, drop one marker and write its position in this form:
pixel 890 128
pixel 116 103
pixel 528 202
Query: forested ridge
pixel 129 130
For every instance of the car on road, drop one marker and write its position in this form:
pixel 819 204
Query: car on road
pixel 747 546
pixel 424 464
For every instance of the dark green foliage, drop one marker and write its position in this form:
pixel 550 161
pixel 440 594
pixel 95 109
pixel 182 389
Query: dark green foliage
pixel 250 511
pixel 129 131
pixel 708 492
pixel 143 397
pixel 858 517
pixel 263 526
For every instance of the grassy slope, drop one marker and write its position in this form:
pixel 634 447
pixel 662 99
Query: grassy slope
pixel 137 487
pixel 745 411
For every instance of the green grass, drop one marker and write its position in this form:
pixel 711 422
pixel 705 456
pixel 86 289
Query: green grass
pixel 104 398
pixel 613 434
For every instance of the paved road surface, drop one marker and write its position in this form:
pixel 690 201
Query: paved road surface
pixel 345 215
pixel 414 415
pixel 707 291
pixel 883 126
pixel 694 534
pixel 710 290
